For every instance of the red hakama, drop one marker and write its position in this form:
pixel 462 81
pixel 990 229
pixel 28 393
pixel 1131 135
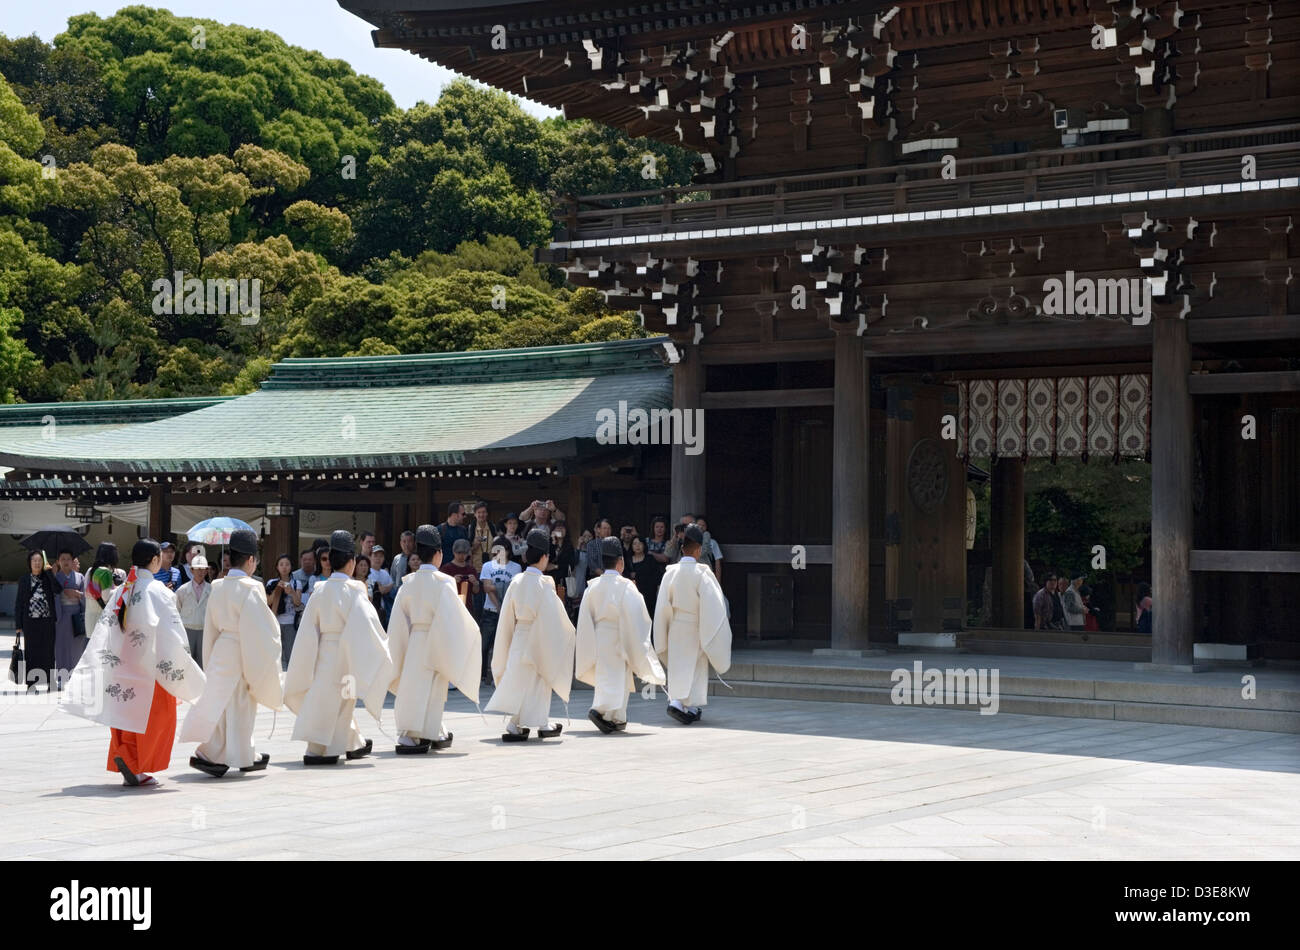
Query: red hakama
pixel 150 751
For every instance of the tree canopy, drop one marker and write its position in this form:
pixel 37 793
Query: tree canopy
pixel 143 147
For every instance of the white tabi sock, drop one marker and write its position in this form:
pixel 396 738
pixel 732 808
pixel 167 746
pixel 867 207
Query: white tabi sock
pixel 677 704
pixel 406 740
pixel 513 727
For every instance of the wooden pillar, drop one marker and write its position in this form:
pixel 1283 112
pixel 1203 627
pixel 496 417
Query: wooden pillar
pixel 282 533
pixel 1007 539
pixel 850 541
pixel 423 511
pixel 575 511
pixel 160 514
pixel 1173 627
pixel 688 470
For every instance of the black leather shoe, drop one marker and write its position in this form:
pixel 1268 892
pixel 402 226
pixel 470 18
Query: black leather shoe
pixel 420 748
pixel 438 744
pixel 364 751
pixel 320 760
pixel 259 765
pixel 215 769
pixel 550 733
pixel 520 736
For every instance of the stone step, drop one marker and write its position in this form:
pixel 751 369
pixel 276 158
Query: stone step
pixel 1042 704
pixel 1063 649
pixel 1001 634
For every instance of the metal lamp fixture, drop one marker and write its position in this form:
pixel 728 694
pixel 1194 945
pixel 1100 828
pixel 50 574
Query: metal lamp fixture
pixel 280 509
pixel 83 511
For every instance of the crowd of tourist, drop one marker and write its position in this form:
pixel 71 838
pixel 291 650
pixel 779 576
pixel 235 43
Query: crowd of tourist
pixel 56 608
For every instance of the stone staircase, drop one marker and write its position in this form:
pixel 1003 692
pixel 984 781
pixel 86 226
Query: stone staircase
pixel 1091 689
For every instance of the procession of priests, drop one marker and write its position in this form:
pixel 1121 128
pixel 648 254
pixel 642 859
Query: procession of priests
pixel 138 664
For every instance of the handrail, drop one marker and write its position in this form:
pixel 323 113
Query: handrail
pixel 894 170
pixel 605 221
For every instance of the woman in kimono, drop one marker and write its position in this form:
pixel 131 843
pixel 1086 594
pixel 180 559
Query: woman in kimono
pixel 340 653
pixel 691 629
pixel 241 653
pixel 533 654
pixel 70 630
pixel 614 641
pixel 34 623
pixel 134 669
pixel 434 642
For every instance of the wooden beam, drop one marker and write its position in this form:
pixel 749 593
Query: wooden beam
pixel 783 351
pixel 1204 384
pixel 1256 562
pixel 1232 329
pixel 768 399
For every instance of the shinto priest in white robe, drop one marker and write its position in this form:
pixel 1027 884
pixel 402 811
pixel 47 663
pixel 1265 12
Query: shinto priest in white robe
pixel 533 654
pixel 340 654
pixel 113 682
pixel 433 641
pixel 241 652
pixel 613 643
pixel 691 630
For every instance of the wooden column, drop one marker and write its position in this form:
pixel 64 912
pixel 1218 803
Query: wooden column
pixel 1007 539
pixel 575 511
pixel 282 534
pixel 424 511
pixel 1173 628
pixel 688 470
pixel 850 541
pixel 160 515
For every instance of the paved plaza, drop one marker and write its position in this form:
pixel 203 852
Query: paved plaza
pixel 756 779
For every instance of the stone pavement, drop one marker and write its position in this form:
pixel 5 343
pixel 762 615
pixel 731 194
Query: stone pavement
pixel 756 779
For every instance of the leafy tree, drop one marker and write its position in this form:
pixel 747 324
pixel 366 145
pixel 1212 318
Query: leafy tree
pixel 195 87
pixel 593 159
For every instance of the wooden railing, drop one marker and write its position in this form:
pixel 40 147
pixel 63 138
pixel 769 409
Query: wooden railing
pixel 1178 161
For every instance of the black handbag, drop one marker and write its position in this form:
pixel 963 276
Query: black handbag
pixel 18 662
pixel 79 624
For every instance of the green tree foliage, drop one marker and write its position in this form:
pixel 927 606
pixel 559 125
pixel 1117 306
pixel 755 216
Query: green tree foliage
pixel 190 87
pixel 188 145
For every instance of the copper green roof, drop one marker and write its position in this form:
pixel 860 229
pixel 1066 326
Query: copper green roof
pixel 21 422
pixel 379 412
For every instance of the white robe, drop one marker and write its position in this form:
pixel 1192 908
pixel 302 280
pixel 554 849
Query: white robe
pixel 533 653
pixel 691 630
pixel 433 641
pixel 113 682
pixel 613 643
pixel 241 658
pixel 339 654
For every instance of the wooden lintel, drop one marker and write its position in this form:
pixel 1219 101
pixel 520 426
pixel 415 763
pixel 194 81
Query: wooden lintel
pixel 782 351
pixel 1201 384
pixel 768 399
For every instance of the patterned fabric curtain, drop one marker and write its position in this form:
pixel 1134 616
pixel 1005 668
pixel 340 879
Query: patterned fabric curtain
pixel 1085 416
